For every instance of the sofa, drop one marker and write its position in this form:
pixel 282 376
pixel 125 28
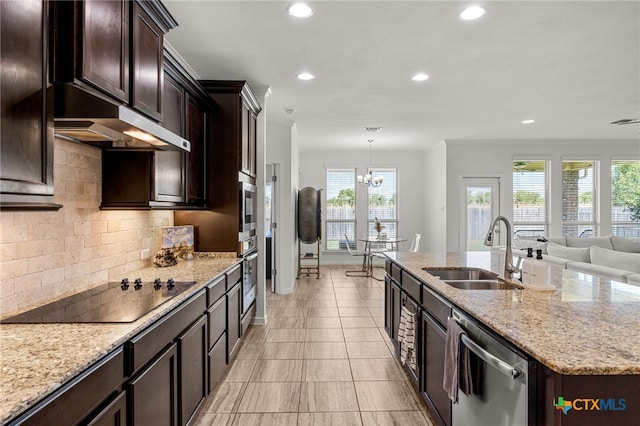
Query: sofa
pixel 611 257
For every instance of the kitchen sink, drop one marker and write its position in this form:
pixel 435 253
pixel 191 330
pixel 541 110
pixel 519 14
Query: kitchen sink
pixel 461 274
pixel 481 285
pixel 471 279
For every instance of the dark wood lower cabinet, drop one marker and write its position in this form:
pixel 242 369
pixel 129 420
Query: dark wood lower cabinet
pixel 163 374
pixel 192 348
pixel 153 394
pixel 217 362
pixel 234 303
pixel 114 414
pixel 396 305
pixel 388 313
pixel 434 337
pixel 79 400
pixel 247 319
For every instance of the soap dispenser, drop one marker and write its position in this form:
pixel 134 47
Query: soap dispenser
pixel 525 274
pixel 539 270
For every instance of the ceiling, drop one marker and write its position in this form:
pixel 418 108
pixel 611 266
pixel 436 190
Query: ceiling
pixel 571 66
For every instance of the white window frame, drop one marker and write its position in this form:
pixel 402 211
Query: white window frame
pixel 327 221
pixel 621 223
pixel 595 223
pixel 546 224
pixel 383 221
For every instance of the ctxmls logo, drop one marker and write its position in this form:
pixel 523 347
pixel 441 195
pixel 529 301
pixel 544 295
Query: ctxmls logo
pixel 590 404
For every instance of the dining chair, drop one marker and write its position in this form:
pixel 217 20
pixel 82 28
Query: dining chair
pixel 415 244
pixel 353 251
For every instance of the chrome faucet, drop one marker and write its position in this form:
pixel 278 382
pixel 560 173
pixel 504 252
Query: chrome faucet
pixel 509 268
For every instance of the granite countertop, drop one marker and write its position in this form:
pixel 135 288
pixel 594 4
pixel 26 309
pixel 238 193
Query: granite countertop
pixel 36 359
pixel 586 326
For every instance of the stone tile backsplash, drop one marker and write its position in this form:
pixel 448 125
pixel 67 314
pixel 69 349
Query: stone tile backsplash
pixel 48 254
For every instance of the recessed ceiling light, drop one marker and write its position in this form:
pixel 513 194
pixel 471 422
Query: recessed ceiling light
pixel 300 10
pixel 528 121
pixel 472 12
pixel 420 77
pixel 306 76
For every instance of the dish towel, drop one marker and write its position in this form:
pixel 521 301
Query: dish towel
pixel 457 364
pixel 407 337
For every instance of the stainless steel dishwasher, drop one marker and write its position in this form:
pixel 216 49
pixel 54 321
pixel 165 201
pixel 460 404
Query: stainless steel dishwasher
pixel 502 379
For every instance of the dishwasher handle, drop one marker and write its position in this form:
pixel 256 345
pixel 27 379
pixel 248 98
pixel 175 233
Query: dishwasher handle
pixel 500 365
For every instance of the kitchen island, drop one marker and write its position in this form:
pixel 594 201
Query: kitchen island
pixel 38 359
pixel 581 337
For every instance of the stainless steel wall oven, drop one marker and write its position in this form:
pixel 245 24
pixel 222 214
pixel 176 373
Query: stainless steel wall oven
pixel 249 280
pixel 248 207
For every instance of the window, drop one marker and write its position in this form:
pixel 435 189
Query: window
pixel 382 203
pixel 580 198
pixel 625 198
pixel 340 208
pixel 530 199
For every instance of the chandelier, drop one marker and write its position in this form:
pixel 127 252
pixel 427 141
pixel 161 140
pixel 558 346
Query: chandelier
pixel 373 181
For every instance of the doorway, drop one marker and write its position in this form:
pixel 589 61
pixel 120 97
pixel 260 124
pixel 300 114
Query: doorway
pixel 479 205
pixel 271 225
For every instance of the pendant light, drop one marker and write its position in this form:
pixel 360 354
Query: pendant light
pixel 368 179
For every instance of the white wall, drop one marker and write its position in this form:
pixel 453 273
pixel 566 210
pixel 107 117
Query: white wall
pixel 486 158
pixel 281 149
pixel 411 189
pixel 435 199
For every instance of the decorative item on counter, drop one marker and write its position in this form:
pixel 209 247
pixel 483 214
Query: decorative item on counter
pixel 525 274
pixel 179 239
pixel 165 257
pixel 539 271
pixel 379 227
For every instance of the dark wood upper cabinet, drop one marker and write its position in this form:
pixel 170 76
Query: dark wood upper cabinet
pixel 186 111
pixel 173 104
pixel 115 47
pixel 26 169
pixel 142 180
pixel 245 163
pixel 164 179
pixel 248 141
pixel 230 159
pixel 147 79
pixel 235 120
pixel 196 120
pixel 252 141
pixel 91 45
pixel 104 46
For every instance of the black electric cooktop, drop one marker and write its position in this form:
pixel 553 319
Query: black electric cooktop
pixel 115 302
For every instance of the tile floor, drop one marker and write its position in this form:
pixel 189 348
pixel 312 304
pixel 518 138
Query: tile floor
pixel 322 359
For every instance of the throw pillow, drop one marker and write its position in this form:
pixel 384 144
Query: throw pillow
pixel 603 242
pixel 629 245
pixel 578 254
pixel 615 259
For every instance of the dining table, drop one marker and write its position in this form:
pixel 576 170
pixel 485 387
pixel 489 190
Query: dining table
pixel 377 244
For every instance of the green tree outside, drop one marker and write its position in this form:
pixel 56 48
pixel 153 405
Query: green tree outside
pixel 528 197
pixel 586 198
pixel 626 188
pixel 346 197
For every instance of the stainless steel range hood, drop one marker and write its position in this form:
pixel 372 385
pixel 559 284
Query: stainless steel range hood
pixel 84 116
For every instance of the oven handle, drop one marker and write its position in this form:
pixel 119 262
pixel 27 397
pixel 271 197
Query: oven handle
pixel 251 257
pixel 500 365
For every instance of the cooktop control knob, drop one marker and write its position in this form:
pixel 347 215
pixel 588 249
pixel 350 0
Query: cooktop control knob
pixel 157 284
pixel 138 283
pixel 170 283
pixel 124 284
